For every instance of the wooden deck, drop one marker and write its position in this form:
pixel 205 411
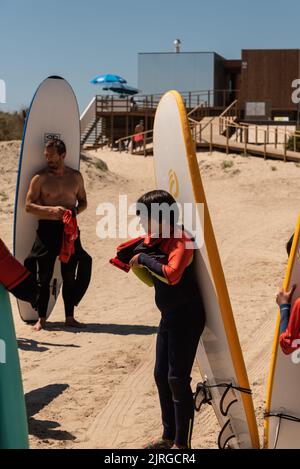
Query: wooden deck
pixel 207 135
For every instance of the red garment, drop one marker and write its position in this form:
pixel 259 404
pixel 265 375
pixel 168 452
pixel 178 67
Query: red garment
pixel 138 138
pixel 292 332
pixel 12 273
pixel 69 237
pixel 124 246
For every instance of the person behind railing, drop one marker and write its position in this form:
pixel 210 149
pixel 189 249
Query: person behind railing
pixel 133 105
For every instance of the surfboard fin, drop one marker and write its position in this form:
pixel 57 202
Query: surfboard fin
pixel 226 434
pixel 203 395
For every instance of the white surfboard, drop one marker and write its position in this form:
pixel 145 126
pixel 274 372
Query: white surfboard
pixel 53 113
pixel 282 416
pixel 219 353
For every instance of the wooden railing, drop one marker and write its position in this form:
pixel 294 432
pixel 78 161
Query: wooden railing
pixel 128 142
pixel 227 115
pixel 214 98
pixel 241 132
pixel 194 101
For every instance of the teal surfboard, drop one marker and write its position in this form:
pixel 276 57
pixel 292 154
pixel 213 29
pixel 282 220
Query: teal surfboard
pixel 13 419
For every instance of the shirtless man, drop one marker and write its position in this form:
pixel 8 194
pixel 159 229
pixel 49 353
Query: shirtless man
pixel 51 192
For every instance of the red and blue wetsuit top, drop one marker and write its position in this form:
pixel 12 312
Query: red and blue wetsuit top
pixel 168 265
pixel 290 327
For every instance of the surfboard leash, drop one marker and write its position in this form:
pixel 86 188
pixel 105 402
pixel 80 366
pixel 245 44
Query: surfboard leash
pixel 281 416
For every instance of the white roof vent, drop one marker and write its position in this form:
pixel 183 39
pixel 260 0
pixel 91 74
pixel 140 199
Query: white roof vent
pixel 177 45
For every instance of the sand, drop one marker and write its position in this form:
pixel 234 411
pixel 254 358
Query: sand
pixel 94 388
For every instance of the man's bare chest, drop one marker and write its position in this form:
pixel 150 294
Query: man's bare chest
pixel 58 186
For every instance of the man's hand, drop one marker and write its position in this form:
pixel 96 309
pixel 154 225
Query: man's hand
pixel 283 297
pixel 58 212
pixel 134 262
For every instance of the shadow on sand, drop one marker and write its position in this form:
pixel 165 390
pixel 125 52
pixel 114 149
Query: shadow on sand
pixel 35 346
pixel 36 400
pixel 118 329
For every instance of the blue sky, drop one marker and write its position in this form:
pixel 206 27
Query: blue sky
pixel 81 38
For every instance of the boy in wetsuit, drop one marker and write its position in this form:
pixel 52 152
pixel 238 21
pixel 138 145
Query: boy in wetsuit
pixel 178 298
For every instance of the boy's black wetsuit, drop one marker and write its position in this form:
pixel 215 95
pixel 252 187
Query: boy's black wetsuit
pixel 182 322
pixel 76 273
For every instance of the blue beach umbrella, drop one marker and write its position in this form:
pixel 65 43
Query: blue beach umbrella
pixel 106 79
pixel 121 88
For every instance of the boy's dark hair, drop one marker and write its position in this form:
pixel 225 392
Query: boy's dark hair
pixel 159 197
pixel 57 145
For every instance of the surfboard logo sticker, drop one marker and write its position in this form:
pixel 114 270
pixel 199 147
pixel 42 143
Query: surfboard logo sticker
pixel 51 136
pixel 173 184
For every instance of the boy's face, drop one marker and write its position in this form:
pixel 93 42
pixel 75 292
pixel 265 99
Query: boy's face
pixel 150 225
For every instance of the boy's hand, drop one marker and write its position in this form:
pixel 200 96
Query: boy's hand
pixel 134 261
pixel 285 297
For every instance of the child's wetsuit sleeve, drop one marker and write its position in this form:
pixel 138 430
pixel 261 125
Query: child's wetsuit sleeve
pixel 179 258
pixel 284 317
pixel 290 328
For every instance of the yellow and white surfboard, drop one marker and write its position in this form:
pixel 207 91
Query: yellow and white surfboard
pixel 282 415
pixel 219 354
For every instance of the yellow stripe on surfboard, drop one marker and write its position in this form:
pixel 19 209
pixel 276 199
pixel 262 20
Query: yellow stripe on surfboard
pixel 285 286
pixel 218 275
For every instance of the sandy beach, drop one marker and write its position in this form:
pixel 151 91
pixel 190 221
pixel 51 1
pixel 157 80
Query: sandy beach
pixel 94 388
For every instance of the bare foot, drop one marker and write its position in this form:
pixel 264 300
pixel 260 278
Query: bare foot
pixel 179 447
pixel 40 325
pixel 71 322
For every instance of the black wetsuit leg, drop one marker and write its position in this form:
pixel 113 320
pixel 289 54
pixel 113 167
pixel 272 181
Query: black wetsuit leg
pixel 69 276
pixel 45 272
pixel 161 372
pixel 68 272
pixel 175 354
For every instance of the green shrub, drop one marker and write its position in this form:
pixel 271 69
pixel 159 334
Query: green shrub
pixel 11 125
pixel 3 196
pixel 227 164
pixel 290 144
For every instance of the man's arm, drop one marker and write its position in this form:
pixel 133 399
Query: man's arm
pixel 41 211
pixel 81 195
